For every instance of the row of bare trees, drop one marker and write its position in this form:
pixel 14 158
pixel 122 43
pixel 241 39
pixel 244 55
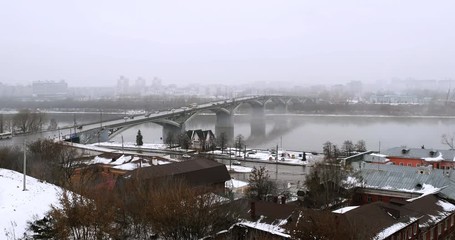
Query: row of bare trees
pixel 46 160
pixel 327 183
pixel 348 148
pixel 25 121
pixel 138 210
pixel 169 209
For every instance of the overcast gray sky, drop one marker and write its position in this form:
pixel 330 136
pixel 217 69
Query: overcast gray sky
pixel 93 42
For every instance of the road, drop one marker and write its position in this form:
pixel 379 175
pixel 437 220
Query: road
pixel 288 178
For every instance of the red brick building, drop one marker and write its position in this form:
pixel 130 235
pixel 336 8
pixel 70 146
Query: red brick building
pixel 415 157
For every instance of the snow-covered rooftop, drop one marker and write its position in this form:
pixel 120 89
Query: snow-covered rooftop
pixel 274 229
pixel 385 233
pixel 345 209
pixel 234 183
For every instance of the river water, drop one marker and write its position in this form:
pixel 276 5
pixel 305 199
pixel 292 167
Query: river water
pixel 309 133
pixel 302 132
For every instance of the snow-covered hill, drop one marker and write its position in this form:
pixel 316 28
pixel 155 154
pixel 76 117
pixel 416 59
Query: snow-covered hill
pixel 18 206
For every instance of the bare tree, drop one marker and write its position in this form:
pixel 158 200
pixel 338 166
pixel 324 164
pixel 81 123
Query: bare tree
pixel 260 184
pixel 53 162
pixel 239 143
pixel 181 212
pixel 9 156
pixel 184 141
pixel 84 217
pixel 330 151
pixel 174 210
pixel 360 146
pixel 28 121
pixel 170 140
pixel 53 125
pixel 448 140
pixel 222 141
pixel 347 148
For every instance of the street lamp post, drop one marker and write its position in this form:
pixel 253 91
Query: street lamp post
pixel 230 160
pixel 25 165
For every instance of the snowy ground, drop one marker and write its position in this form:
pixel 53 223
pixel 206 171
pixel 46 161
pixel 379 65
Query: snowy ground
pixel 132 145
pixel 239 169
pixel 284 156
pixel 18 206
pixel 125 162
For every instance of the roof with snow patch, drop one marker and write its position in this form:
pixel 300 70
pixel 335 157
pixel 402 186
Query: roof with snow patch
pixel 421 153
pixel 196 172
pixel 406 179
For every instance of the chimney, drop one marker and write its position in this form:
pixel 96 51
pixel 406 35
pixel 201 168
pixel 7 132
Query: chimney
pixel 275 199
pixel 253 210
pixel 283 199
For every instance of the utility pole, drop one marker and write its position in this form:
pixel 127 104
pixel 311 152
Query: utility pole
pixel 101 119
pixel 276 163
pixel 25 165
pixel 244 153
pixel 281 142
pixel 1 123
pixel 123 150
pixel 71 137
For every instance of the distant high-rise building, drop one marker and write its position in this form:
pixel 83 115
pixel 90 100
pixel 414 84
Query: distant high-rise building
pixel 156 83
pixel 123 85
pixel 140 83
pixel 139 86
pixel 49 88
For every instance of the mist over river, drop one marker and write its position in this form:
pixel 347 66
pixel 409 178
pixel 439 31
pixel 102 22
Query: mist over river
pixel 297 131
pixel 309 132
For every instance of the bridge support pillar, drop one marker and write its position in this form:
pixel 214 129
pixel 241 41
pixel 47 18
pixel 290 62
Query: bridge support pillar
pixel 96 135
pixel 171 133
pixel 104 135
pixel 224 125
pixel 257 122
pixel 281 109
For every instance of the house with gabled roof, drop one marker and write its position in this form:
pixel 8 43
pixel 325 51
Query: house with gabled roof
pixel 200 173
pixel 428 217
pixel 382 220
pixel 201 139
pixel 102 171
pixel 261 220
pixel 437 219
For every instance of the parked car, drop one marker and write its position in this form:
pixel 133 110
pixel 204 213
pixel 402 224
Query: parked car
pixel 236 163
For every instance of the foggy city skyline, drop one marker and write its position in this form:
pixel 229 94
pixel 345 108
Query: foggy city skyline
pixel 302 42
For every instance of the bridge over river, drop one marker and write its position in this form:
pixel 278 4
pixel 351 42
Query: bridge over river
pixel 173 120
